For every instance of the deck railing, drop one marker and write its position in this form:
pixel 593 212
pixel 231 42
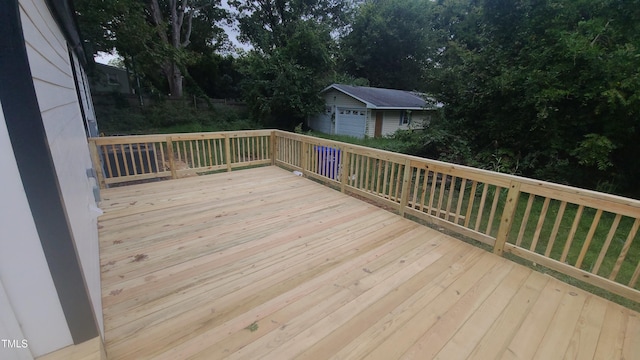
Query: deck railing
pixel 588 235
pixel 121 159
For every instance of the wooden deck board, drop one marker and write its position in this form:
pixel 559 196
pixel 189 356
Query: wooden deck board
pixel 263 264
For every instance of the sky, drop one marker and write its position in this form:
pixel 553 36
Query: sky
pixel 231 30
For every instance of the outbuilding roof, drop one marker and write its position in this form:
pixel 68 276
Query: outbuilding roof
pixel 378 98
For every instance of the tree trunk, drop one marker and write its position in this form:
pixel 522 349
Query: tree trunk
pixel 174 77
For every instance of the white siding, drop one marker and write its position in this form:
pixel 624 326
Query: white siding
pixel 10 329
pixel 337 98
pixel 371 123
pixel 391 121
pixel 321 123
pixel 23 268
pixel 333 100
pixel 351 122
pixel 63 122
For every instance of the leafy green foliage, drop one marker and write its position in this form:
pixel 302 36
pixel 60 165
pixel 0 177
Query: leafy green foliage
pixel 293 56
pixel 170 116
pixel 390 43
pixel 544 82
pixel 157 38
pixel 594 150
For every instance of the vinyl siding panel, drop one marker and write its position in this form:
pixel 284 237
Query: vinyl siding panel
pixel 23 268
pixel 321 123
pixel 391 121
pixel 60 108
pixel 41 37
pixel 10 328
pixel 337 98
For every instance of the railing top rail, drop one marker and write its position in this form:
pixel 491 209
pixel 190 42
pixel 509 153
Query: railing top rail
pixel 622 205
pixel 162 137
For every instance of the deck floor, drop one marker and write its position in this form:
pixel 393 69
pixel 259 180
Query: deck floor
pixel 262 264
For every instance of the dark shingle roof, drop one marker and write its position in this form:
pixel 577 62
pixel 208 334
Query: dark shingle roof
pixel 377 98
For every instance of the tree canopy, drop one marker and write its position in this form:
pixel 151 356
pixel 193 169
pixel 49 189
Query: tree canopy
pixel 156 37
pixel 550 87
pixel 542 88
pixel 293 55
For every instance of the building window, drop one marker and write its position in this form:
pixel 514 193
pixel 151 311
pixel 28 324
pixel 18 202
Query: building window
pixel 405 117
pixel 112 79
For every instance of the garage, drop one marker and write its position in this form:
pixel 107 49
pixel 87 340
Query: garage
pixel 351 121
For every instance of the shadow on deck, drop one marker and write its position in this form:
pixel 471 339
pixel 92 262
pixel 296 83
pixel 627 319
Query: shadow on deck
pixel 262 264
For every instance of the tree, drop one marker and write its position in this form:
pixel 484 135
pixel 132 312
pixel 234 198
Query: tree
pixel 153 35
pixel 292 58
pixel 390 43
pixel 552 86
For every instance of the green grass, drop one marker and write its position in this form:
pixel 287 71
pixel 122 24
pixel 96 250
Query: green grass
pixel 389 143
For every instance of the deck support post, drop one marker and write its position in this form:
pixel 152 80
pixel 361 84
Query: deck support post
pixel 97 164
pixel 406 179
pixel 172 163
pixel 506 220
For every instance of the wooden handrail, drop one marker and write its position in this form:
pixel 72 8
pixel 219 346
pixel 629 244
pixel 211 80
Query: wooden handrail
pixel 546 223
pixel 122 159
pixel 485 206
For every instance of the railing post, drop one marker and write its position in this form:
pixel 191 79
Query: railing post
pixel 404 196
pixel 344 172
pixel 506 220
pixel 172 163
pixel 303 156
pixel 227 152
pixel 273 147
pixel 97 164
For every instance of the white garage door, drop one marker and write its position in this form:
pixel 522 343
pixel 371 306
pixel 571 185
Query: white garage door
pixel 351 122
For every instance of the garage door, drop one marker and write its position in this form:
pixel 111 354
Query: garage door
pixel 351 122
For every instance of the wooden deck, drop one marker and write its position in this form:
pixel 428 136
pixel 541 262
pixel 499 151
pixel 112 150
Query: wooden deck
pixel 262 264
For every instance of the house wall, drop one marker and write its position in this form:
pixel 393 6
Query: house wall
pixel 31 295
pixel 102 83
pixel 52 73
pixel 391 121
pixel 86 100
pixel 10 328
pixel 333 99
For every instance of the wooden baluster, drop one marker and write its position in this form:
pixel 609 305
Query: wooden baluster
pixel 525 219
pixel 572 233
pixel 450 197
pixel 172 164
pixel 556 227
pixel 406 180
pixel 607 243
pixel 227 151
pixel 494 207
pixel 463 187
pixel 483 198
pixel 472 198
pixel 625 250
pixel 540 224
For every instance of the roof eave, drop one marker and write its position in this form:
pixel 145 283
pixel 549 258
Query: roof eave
pixel 333 86
pixel 401 108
